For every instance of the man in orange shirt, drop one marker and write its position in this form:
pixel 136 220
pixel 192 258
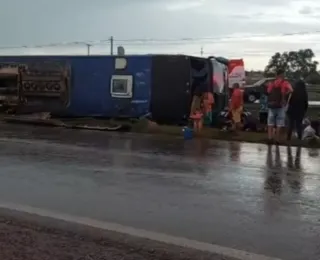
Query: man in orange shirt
pixel 236 106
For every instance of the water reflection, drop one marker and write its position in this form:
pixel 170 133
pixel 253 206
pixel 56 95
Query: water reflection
pixel 273 184
pixel 294 164
pixel 294 173
pixel 274 178
pixel 276 171
pixel 313 152
pixel 201 148
pixel 234 151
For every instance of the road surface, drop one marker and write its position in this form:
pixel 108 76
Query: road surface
pixel 242 196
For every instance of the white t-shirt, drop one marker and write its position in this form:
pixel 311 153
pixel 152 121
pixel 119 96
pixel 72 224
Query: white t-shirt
pixel 308 132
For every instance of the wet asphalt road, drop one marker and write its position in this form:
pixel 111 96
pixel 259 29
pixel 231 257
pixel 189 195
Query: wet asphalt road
pixel 236 195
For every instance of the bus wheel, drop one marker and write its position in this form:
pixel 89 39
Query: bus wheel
pixel 252 98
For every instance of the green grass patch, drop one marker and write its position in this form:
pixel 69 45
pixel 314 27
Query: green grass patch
pixel 217 134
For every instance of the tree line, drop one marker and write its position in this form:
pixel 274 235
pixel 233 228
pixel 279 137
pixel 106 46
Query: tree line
pixel 296 64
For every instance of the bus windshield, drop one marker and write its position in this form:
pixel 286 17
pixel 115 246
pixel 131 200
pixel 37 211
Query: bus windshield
pixel 220 74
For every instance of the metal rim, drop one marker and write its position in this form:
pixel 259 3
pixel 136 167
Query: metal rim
pixel 252 98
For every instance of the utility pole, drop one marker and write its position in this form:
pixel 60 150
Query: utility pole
pixel 111 45
pixel 201 51
pixel 88 48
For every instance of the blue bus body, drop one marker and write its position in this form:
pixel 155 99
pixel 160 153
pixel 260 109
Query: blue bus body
pixel 92 80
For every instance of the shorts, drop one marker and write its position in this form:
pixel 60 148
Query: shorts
pixel 236 114
pixel 277 117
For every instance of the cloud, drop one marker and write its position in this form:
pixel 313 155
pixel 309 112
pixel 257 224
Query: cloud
pixel 184 4
pixel 306 10
pixel 260 3
pixel 33 22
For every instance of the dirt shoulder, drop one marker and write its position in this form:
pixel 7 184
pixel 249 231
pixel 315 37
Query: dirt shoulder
pixel 22 237
pixel 147 127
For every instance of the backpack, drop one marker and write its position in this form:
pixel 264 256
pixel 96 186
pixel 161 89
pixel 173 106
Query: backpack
pixel 276 97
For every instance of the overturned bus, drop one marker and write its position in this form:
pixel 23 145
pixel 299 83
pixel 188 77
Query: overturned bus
pixel 132 86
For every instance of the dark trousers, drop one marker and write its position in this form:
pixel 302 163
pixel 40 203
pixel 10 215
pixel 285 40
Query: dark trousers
pixel 295 123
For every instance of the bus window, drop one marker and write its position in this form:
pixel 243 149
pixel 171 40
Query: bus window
pixel 219 77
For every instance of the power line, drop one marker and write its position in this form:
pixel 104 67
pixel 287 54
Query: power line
pixel 80 43
pixel 287 34
pixel 159 42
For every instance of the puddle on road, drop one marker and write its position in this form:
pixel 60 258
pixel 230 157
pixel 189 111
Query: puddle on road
pixel 246 171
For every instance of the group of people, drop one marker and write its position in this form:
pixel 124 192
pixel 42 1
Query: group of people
pixel 201 109
pixel 288 104
pixel 202 105
pixel 287 108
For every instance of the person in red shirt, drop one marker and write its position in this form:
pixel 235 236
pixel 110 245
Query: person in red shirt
pixel 236 106
pixel 279 94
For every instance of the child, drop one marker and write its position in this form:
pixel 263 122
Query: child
pixel 208 102
pixel 197 118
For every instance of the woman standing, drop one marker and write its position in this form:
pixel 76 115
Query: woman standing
pixel 208 102
pixel 297 109
pixel 236 106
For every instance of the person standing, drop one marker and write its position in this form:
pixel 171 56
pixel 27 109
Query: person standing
pixel 197 118
pixel 236 106
pixel 279 93
pixel 197 98
pixel 208 102
pixel 196 114
pixel 297 109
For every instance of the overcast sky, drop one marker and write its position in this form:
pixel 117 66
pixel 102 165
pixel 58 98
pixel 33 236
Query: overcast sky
pixel 221 27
